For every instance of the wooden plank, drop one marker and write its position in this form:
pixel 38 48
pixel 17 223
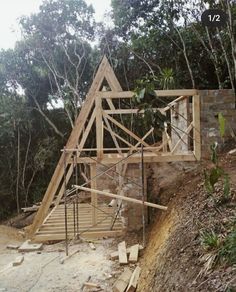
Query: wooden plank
pixel 122 198
pixel 71 143
pixel 88 235
pixel 99 127
pixel 160 93
pixel 27 246
pixel 176 92
pixel 92 246
pixel 133 257
pixel 91 285
pixel 122 282
pixel 94 198
pixel 18 261
pixel 115 255
pixel 111 79
pixel 148 158
pixel 130 111
pixel 125 129
pixel 122 253
pixel 133 283
pixel 197 127
pixel 13 246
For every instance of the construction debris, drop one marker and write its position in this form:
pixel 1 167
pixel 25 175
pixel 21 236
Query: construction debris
pixel 115 255
pixel 34 208
pixel 69 256
pixel 122 253
pixel 92 246
pixel 123 281
pixel 133 257
pixel 27 246
pixel 91 285
pixel 232 152
pixel 13 246
pixel 18 261
pixel 134 280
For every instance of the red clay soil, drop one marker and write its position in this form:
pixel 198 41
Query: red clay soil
pixel 172 258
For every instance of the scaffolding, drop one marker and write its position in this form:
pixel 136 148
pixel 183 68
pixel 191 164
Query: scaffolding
pixel 101 115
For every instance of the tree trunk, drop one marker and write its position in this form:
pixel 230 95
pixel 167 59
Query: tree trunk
pixel 186 57
pixel 226 60
pixel 47 118
pixel 18 170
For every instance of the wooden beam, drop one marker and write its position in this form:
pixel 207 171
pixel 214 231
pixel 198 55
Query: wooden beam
pixel 133 283
pixel 196 127
pixel 148 158
pixel 122 253
pixel 125 129
pixel 161 93
pixel 99 126
pixel 131 111
pixel 89 234
pixel 133 257
pixel 131 200
pixel 94 197
pixel 122 282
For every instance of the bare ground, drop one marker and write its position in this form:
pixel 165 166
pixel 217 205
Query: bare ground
pixel 171 260
pixel 173 257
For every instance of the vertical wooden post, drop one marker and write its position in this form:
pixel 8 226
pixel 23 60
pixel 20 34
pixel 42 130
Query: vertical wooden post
pixel 94 198
pixel 196 127
pixel 99 127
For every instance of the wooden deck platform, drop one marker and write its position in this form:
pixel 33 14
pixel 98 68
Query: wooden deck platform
pixel 53 228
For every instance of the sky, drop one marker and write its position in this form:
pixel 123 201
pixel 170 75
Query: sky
pixel 11 10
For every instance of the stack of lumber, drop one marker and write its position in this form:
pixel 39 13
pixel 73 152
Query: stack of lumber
pixel 126 255
pixel 127 281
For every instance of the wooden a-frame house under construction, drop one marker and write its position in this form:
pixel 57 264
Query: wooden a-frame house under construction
pixel 61 214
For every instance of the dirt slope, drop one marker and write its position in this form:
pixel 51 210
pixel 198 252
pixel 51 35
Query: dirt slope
pixel 172 260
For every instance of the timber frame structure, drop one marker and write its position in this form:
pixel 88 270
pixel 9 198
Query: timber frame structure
pixel 181 143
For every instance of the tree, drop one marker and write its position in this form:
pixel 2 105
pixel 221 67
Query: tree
pixel 148 28
pixel 56 49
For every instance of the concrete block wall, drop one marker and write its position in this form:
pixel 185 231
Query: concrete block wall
pixel 214 102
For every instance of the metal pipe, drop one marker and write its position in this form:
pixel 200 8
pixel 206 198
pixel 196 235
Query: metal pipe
pixel 65 205
pixel 143 198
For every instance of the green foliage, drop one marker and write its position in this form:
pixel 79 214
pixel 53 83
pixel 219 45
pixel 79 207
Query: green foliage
pixel 228 250
pixel 214 157
pixel 226 190
pixel 209 240
pixel 146 99
pixel 215 174
pixel 167 79
pixel 221 121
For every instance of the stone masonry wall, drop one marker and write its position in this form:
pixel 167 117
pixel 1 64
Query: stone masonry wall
pixel 130 214
pixel 212 103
